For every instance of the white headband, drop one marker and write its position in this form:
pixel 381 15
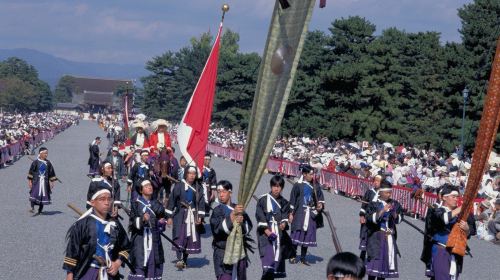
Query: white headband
pixel 107 164
pixel 191 168
pixel 384 189
pixel 98 193
pixel 220 187
pixel 452 193
pixel 145 182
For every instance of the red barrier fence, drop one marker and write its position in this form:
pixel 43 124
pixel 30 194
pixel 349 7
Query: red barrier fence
pixel 9 152
pixel 342 182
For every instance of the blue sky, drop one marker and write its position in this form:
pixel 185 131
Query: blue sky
pixel 133 31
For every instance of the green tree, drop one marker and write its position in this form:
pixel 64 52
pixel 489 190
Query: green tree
pixel 18 95
pixel 305 112
pixel 236 79
pixel 19 75
pixel 64 89
pixel 480 32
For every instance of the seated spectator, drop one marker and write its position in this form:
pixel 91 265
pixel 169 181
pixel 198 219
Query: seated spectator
pixel 494 222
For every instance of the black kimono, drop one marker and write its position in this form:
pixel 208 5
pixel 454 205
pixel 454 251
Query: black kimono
pixel 429 230
pixel 41 172
pixel 209 179
pixel 108 183
pixel 221 225
pixel 146 256
pixel 185 205
pixel 443 263
pixel 270 213
pixel 369 196
pixel 94 159
pixel 139 173
pixel 381 239
pixel 119 169
pixel 91 236
pixel 306 219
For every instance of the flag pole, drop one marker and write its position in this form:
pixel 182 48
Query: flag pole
pixel 225 8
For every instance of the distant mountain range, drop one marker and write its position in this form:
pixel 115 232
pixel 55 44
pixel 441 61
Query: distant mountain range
pixel 51 68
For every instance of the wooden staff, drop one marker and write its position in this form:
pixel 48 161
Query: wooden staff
pixel 488 126
pixel 74 208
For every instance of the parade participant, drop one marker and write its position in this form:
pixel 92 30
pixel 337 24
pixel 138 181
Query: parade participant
pixel 160 138
pixel 381 219
pixel 185 210
pixel 345 266
pixel 370 195
pixel 97 245
pixel 94 159
pixel 147 221
pixel 444 264
pixel 120 172
pixel 429 231
pixel 139 172
pixel 182 166
pixel 274 243
pixel 224 216
pixel 140 139
pixel 306 204
pixel 41 181
pixel 209 181
pixel 105 180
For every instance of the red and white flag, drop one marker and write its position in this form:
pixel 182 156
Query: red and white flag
pixel 192 133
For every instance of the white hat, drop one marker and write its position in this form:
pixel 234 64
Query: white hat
pixel 138 124
pixel 159 122
pixel 141 117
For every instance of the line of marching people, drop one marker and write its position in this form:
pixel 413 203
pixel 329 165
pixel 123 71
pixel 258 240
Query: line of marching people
pixel 98 245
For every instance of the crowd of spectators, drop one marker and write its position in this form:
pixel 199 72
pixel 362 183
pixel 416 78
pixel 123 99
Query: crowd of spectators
pixel 404 165
pixel 23 127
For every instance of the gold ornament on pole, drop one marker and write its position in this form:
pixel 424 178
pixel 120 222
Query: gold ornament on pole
pixel 225 8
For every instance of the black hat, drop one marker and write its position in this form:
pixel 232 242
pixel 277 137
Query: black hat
pixel 448 189
pixel 305 168
pixel 97 189
pixel 226 185
pixel 385 186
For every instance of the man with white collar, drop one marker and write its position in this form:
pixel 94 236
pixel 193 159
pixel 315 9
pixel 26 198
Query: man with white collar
pixel 224 217
pixel 209 178
pixel 160 138
pixel 41 181
pixel 306 203
pixel 272 215
pixel 140 139
pixel 139 172
pixel 96 245
pixel 382 216
pixel 446 265
pixel 186 210
pixel 94 158
pixel 369 196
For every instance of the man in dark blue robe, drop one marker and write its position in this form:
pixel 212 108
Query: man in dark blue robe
pixel 41 181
